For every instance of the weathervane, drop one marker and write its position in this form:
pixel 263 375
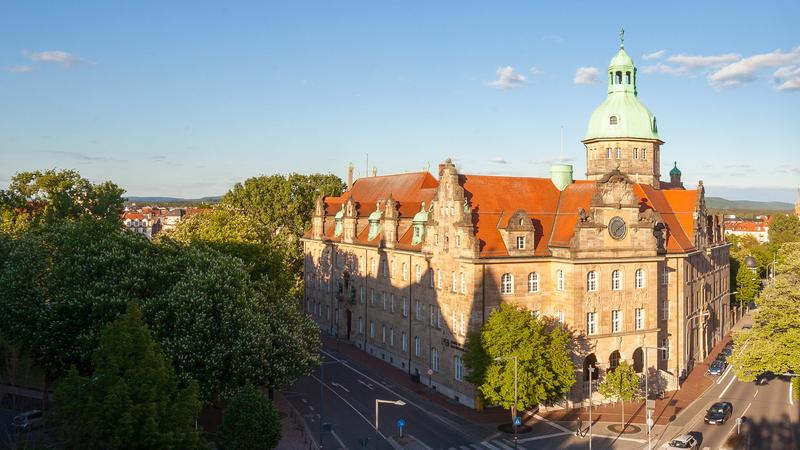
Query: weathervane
pixel 621 37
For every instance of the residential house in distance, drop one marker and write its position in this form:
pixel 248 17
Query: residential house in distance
pixel 404 266
pixel 758 227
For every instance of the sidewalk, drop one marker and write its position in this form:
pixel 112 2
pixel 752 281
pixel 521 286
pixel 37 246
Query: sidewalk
pixel 666 410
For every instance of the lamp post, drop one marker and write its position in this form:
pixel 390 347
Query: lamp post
pixel 701 313
pixel 591 376
pixel 647 392
pixel 514 407
pixel 377 403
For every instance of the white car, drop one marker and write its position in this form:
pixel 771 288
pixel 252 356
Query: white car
pixel 682 442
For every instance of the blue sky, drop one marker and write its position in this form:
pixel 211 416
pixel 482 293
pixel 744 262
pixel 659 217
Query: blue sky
pixel 187 98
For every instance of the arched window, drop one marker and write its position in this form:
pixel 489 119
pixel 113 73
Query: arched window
pixel 627 78
pixel 618 151
pixel 613 360
pixel 591 281
pixel 560 280
pixel 616 280
pixel 533 282
pixel 639 279
pixel 612 120
pixel 608 153
pixel 619 77
pixel 507 284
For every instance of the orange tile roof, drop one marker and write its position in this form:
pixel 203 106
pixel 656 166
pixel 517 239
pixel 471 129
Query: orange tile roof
pixel 495 198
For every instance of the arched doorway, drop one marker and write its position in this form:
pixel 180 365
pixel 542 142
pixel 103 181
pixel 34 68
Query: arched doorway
pixel 638 360
pixel 613 360
pixel 590 361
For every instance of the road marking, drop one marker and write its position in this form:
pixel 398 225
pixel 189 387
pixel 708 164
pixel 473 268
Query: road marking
pixel 756 394
pixel 371 424
pixel 544 436
pixel 489 446
pixel 503 445
pixel 337 439
pixel 476 446
pixel 726 387
pixel 464 447
pixel 369 386
pixel 304 400
pixel 791 400
pixel 724 374
pixel 310 407
pixel 745 410
pixel 333 383
pixel 706 448
pixel 553 424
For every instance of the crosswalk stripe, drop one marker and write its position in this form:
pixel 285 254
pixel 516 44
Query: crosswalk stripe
pixel 464 447
pixel 476 446
pixel 488 445
pixel 502 445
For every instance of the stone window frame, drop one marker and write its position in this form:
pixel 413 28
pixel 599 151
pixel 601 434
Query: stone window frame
pixel 664 354
pixel 458 368
pixel 454 286
pixel 591 323
pixel 639 318
pixel 616 321
pixel 417 346
pixel 639 279
pixel 417 273
pixel 435 366
pixel 560 280
pixel 533 282
pixel 520 242
pixel 591 281
pixel 616 280
pixel 404 340
pixel 405 271
pixel 463 283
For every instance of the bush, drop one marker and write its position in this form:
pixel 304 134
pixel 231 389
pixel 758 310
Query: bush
pixel 250 422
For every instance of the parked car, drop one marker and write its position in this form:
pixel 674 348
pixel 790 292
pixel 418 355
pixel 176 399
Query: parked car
pixel 717 367
pixel 28 420
pixel 719 413
pixel 722 357
pixel 682 442
pixel 728 350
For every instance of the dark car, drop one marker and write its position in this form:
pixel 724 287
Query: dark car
pixel 722 357
pixel 28 420
pixel 728 350
pixel 717 367
pixel 719 413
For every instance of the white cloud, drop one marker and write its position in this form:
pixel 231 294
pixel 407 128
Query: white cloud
pixel 498 160
pixel 663 68
pixel 62 58
pixel 787 78
pixel 699 61
pixel 560 159
pixel 746 69
pixel 654 55
pixel 536 71
pixel 20 69
pixel 586 75
pixel 507 78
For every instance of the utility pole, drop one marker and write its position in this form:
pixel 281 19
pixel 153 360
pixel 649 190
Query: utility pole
pixel 591 381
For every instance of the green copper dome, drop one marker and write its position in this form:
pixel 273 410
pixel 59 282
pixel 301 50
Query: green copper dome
pixel 675 170
pixel 622 115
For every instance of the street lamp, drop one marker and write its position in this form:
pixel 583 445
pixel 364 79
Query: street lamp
pixel 514 407
pixel 591 376
pixel 647 392
pixel 378 402
pixel 702 313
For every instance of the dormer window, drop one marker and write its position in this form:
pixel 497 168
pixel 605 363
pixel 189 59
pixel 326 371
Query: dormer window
pixel 520 242
pixel 612 120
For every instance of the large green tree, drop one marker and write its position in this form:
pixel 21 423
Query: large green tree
pixel 42 196
pixel 545 371
pixel 747 285
pixel 249 423
pixel 622 384
pixel 773 344
pixel 784 228
pixel 132 400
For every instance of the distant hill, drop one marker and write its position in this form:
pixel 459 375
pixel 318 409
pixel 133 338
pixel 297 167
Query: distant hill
pixel 719 203
pixel 171 200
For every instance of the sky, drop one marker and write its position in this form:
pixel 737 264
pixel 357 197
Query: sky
pixel 185 99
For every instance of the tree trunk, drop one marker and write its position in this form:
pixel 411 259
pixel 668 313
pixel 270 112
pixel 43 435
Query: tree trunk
pixel 623 415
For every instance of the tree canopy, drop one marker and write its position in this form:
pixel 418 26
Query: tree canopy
pixel 545 369
pixel 747 285
pixel 784 228
pixel 773 344
pixel 132 399
pixel 250 423
pixel 41 196
pixel 622 384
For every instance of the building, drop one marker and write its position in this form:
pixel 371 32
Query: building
pixel 145 223
pixel 404 266
pixel 758 228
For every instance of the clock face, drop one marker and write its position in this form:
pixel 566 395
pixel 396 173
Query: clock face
pixel 617 227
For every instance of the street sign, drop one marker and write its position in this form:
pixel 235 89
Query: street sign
pixel 738 425
pixel 517 421
pixel 651 404
pixel 400 424
pixel 649 423
pixel 430 371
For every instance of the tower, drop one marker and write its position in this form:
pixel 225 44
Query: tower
pixel 622 132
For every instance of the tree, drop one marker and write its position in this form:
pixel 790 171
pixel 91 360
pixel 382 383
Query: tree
pixel 36 197
pixel 784 228
pixel 545 370
pixel 747 285
pixel 621 383
pixel 773 344
pixel 250 422
pixel 132 400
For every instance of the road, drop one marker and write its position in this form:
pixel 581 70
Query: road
pixel 769 416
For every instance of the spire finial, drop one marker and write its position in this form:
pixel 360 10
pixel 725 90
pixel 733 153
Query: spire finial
pixel 621 37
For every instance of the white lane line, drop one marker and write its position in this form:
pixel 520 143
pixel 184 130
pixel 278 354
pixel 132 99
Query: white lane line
pixel 553 424
pixel 310 407
pixel 369 386
pixel 336 436
pixel 333 383
pixel 371 424
pixel 502 445
pixel 304 400
pixel 745 410
pixel 706 448
pixel 476 447
pixel 724 374
pixel 464 447
pixel 544 436
pixel 726 387
pixel 756 394
pixel 489 446
pixel 791 400
pixel 441 419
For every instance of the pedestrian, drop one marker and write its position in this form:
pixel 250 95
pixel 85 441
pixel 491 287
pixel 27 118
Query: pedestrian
pixel 580 427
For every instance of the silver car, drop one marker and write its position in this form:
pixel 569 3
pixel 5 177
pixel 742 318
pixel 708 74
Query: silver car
pixel 682 442
pixel 717 367
pixel 28 420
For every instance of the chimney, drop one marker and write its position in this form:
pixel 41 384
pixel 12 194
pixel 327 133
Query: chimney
pixel 349 176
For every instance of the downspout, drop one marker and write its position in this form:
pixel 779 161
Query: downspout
pixel 408 303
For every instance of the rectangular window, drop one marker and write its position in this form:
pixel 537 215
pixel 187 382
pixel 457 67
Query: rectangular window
pixel 560 279
pixel 430 273
pixel 560 316
pixel 361 294
pixel 418 310
pixel 458 368
pixel 640 318
pixel 438 317
pixel 608 153
pixel 665 275
pixel 435 359
pixel 405 342
pixel 618 151
pixel 644 153
pixel 391 337
pixel 383 333
pixel 360 325
pixel 391 303
pixel 463 283
pixel 372 297
pixel 417 346
pixel 616 321
pixel 463 327
pixel 520 242
pixel 665 352
pixel 665 310
pixel 439 279
pixel 433 315
pixel 458 241
pixel 405 306
pixel 372 329
pixel 454 287
pixel 385 303
pixel 591 323
pixel 635 153
pixel 417 273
